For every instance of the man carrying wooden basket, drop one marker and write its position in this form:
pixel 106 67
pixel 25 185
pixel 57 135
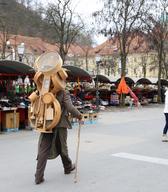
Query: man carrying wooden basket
pixel 51 105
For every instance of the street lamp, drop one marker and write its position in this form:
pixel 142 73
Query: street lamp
pixel 21 50
pixel 9 46
pixel 98 61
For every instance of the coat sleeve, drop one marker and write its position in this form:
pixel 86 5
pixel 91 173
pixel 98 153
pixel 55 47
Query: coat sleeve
pixel 69 106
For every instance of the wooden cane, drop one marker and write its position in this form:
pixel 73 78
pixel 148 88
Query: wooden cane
pixel 77 155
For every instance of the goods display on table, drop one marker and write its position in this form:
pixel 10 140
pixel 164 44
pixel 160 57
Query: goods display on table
pixel 50 78
pixel 15 85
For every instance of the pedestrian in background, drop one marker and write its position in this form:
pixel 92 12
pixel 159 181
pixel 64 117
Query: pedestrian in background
pixel 164 137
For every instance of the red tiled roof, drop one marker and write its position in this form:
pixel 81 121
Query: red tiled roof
pixel 111 46
pixel 78 50
pixel 37 46
pixel 33 44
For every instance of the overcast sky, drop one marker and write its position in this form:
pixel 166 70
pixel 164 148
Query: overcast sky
pixel 85 8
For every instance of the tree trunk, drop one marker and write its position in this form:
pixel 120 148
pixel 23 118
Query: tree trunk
pixel 123 74
pixel 159 71
pixel 144 71
pixel 3 50
pixel 165 66
pixel 123 65
pixel 86 60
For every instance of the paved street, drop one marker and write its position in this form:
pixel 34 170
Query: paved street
pixel 122 152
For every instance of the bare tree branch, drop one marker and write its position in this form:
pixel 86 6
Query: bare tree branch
pixel 66 23
pixel 121 19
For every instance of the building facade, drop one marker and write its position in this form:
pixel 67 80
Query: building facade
pixel 141 61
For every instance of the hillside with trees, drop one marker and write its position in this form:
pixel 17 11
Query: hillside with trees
pixel 28 17
pixel 15 18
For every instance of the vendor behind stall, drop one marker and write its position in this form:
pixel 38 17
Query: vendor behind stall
pixel 81 94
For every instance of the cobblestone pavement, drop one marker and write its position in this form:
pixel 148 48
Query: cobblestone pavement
pixel 121 152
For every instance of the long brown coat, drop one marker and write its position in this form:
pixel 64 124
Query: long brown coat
pixel 64 123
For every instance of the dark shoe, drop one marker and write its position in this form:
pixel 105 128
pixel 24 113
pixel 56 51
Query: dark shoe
pixel 39 181
pixel 68 171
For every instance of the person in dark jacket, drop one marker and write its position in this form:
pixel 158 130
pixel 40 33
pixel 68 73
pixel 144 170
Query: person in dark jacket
pixel 164 136
pixel 53 144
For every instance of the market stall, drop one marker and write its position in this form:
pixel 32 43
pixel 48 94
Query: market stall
pixel 102 79
pixel 143 81
pixel 15 85
pixel 103 85
pixel 145 91
pixel 129 81
pixel 76 74
pixel 79 82
pixel 163 82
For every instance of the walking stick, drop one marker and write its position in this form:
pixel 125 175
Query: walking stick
pixel 77 155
